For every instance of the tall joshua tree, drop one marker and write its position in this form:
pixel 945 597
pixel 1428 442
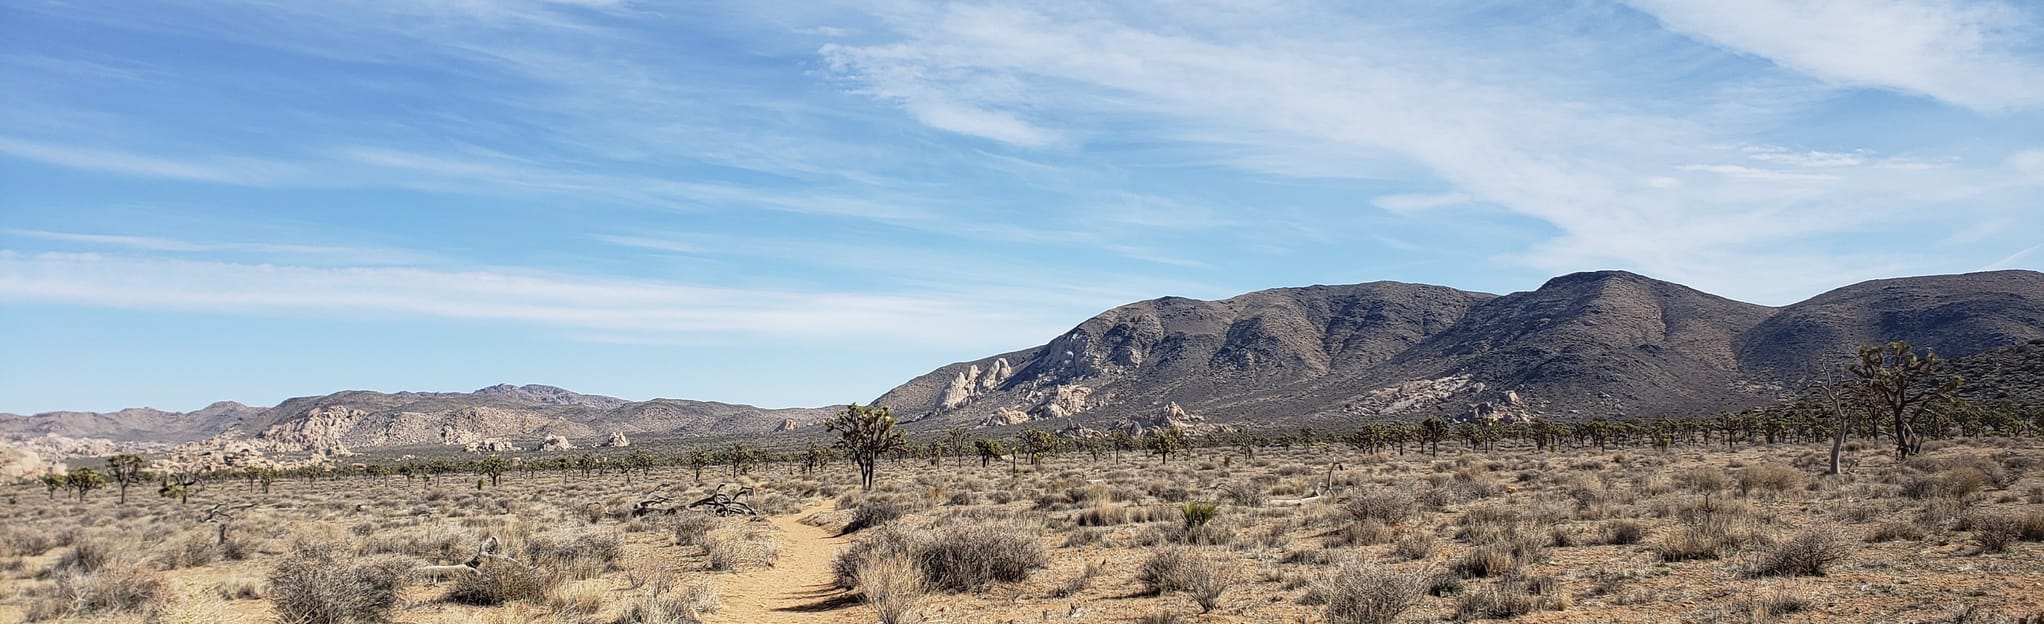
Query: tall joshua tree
pixel 865 433
pixel 125 469
pixel 1901 385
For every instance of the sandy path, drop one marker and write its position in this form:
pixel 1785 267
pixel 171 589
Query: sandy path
pixel 799 587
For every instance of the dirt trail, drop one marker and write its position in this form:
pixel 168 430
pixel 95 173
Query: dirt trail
pixel 799 587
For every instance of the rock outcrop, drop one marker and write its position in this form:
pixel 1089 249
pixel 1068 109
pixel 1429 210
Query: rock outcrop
pixel 490 445
pixel 617 440
pixel 556 443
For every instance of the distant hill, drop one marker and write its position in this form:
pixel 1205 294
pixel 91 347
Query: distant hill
pixel 1604 343
pixel 520 416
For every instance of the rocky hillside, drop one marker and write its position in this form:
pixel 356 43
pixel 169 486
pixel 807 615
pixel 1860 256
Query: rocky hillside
pixel 499 417
pixel 1582 345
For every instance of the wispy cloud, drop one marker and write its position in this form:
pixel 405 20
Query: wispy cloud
pixel 220 170
pixel 1968 53
pixel 1628 178
pixel 571 302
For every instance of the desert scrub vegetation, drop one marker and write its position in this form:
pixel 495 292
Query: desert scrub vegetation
pixel 1306 529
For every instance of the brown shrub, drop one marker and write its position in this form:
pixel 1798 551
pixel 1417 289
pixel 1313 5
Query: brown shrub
pixel 1362 593
pixel 1806 554
pixel 322 585
pixel 1382 506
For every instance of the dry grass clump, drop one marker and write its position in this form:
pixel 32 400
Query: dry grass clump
pixel 21 541
pixel 88 554
pixel 1622 532
pixel 1382 506
pixel 1953 483
pixel 322 585
pixel 661 603
pixel 892 585
pixel 1415 546
pixel 1771 478
pixel 692 528
pixel 1186 570
pixel 580 553
pixel 1513 597
pixel 965 558
pixel 1994 532
pixel 958 558
pixel 875 511
pixel 111 589
pixel 1895 531
pixel 1806 554
pixel 1362 593
pixel 739 548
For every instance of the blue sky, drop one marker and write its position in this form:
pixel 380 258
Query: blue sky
pixel 806 203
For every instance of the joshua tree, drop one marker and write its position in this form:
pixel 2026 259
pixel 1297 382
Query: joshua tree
pixel 739 456
pixel 177 483
pixel 865 433
pixel 1902 386
pixel 813 457
pixel 1432 431
pixel 958 436
pixel 83 479
pixel 1164 443
pixel 697 460
pixel 53 481
pixel 1037 443
pixel 493 467
pixel 1121 442
pixel 989 450
pixel 125 469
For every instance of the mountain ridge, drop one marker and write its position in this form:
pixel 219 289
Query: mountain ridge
pixel 1599 343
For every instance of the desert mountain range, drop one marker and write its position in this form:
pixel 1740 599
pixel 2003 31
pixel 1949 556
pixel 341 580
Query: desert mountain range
pixel 1607 343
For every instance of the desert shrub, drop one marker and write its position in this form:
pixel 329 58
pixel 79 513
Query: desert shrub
pixel 875 511
pixel 582 553
pixel 1994 532
pixel 501 581
pixel 1623 532
pixel 693 528
pixel 1949 483
pixel 1383 506
pixel 1186 570
pixel 661 603
pixel 1244 493
pixel 1806 554
pixel 189 550
pixel 322 585
pixel 1103 515
pixel 966 558
pixel 88 554
pixel 1362 593
pixel 739 548
pixel 886 542
pixel 1367 533
pixel 1415 546
pixel 113 588
pixel 242 588
pixel 1893 531
pixel 1769 478
pixel 21 541
pixel 1490 524
pixel 1703 480
pixel 1512 597
pixel 892 585
pixel 1690 544
pixel 2030 526
pixel 1197 514
pixel 1486 561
